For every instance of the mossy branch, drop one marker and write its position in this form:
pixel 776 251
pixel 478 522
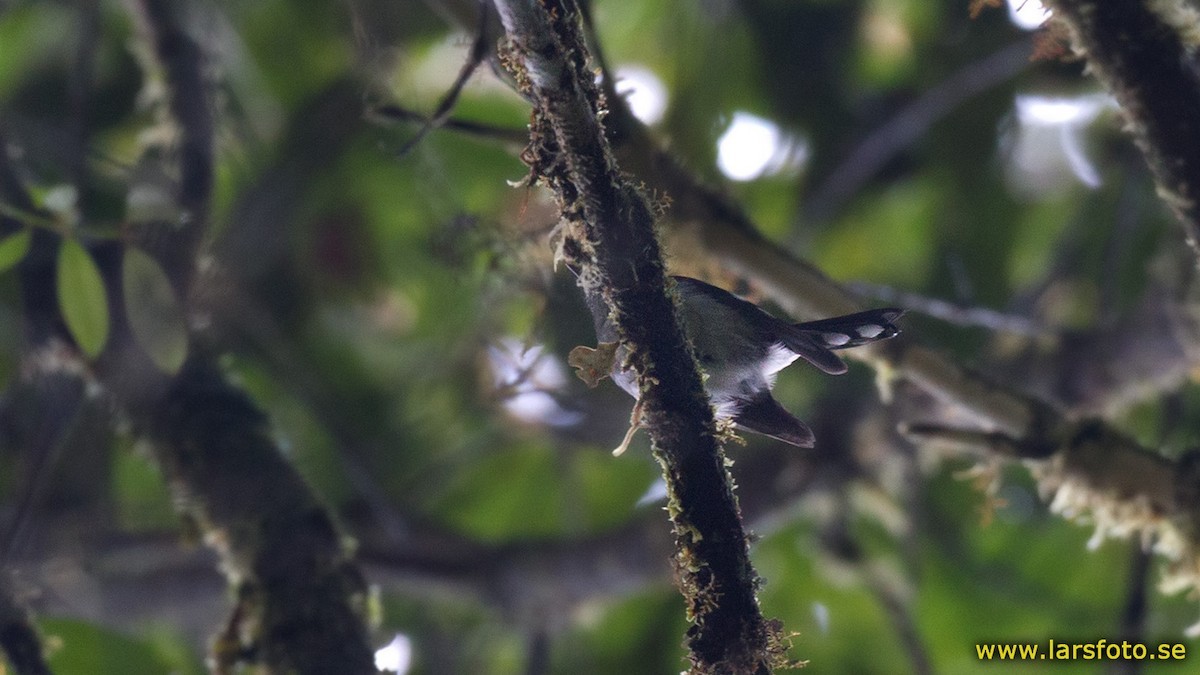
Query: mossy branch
pixel 182 59
pixel 1141 50
pixel 608 230
pixel 301 600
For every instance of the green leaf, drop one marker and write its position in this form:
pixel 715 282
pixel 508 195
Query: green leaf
pixel 81 297
pixel 95 650
pixel 13 249
pixel 155 315
pixel 141 500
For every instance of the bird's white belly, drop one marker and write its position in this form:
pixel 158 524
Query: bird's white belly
pixel 729 385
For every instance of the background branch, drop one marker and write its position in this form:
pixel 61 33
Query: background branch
pixel 1141 52
pixel 301 599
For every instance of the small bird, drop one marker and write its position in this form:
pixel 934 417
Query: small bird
pixel 741 348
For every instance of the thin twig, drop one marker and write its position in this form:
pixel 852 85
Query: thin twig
pixel 79 92
pixel 58 406
pixel 977 317
pixel 395 113
pixel 901 130
pixel 479 51
pixel 1132 620
pixel 973 441
pixel 899 612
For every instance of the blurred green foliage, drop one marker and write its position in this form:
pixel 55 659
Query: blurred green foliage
pixel 81 647
pixel 363 289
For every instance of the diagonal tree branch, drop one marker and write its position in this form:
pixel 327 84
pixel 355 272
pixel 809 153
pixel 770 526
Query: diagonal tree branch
pixel 181 57
pixel 608 230
pixel 300 597
pixel 1142 52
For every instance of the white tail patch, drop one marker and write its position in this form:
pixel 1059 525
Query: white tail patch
pixel 869 330
pixel 835 339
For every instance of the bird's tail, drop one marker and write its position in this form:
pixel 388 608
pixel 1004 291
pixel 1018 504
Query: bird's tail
pixel 814 341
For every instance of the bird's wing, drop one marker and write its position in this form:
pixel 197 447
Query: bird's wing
pixel 762 414
pixel 813 340
pixel 809 346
